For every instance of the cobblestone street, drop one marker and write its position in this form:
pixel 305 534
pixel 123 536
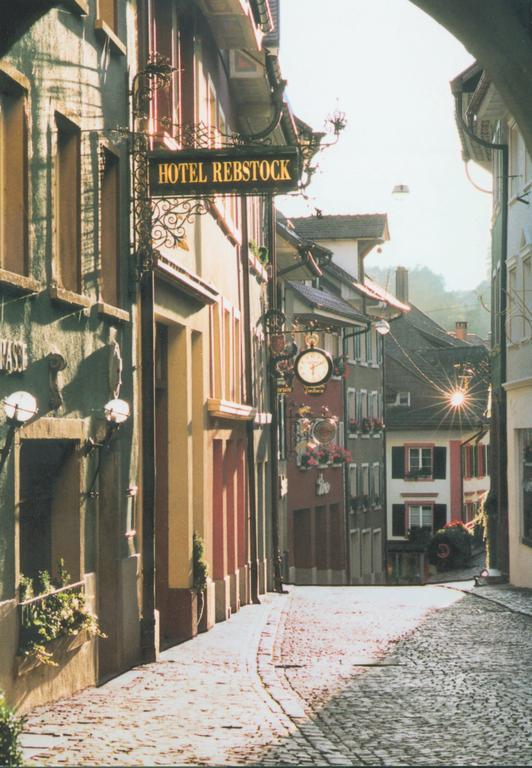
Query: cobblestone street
pixel 334 676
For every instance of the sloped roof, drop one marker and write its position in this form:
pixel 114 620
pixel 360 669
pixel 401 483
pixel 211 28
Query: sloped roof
pixel 424 360
pixel 323 299
pixel 368 288
pixel 373 226
pixel 377 292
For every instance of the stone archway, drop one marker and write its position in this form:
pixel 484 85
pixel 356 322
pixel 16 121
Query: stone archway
pixel 499 34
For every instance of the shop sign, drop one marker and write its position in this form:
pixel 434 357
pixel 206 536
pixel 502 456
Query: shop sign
pixel 238 170
pixel 13 356
pixel 322 486
pixel 283 386
pixel 314 389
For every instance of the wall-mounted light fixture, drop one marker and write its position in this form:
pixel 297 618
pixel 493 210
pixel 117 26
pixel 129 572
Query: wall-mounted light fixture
pixel 19 407
pixel 382 327
pixel 116 412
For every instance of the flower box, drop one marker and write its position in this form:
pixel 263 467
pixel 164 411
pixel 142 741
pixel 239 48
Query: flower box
pixel 58 648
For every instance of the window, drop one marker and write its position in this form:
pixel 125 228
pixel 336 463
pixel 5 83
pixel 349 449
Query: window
pixel 364 479
pixel 353 485
pixel 420 516
pixel 526 500
pixel 420 462
pixel 226 359
pixel 398 399
pixel 166 40
pixel 107 12
pixel 513 312
pixel 357 354
pixel 527 296
pixel 13 176
pixel 369 347
pixel 351 411
pixel 375 486
pixel 379 343
pixel 109 233
pixel 68 205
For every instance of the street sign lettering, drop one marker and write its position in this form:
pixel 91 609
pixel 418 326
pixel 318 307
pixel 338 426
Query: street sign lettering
pixel 264 170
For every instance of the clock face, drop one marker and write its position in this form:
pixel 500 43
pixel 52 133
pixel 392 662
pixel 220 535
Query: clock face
pixel 313 366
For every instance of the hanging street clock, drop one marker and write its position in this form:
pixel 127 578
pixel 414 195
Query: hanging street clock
pixel 313 367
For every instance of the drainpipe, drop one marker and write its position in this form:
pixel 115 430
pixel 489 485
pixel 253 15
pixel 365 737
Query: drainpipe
pixel 500 550
pixel 250 433
pixel 274 405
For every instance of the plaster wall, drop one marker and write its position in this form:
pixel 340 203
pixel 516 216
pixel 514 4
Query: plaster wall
pixel 519 397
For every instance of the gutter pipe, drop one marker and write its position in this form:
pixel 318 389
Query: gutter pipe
pixel 500 469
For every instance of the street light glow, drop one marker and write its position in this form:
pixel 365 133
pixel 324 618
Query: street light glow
pixel 457 398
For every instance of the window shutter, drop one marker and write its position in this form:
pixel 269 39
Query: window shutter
pixel 398 520
pixel 440 461
pixel 398 463
pixel 440 516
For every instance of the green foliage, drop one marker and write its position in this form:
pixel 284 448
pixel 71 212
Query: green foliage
pixel 428 292
pixel 199 566
pixel 450 547
pixel 10 729
pixel 56 615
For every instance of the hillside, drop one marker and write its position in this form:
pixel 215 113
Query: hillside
pixel 428 292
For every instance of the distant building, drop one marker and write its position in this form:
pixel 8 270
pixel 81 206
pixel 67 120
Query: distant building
pixel 338 536
pixel 436 453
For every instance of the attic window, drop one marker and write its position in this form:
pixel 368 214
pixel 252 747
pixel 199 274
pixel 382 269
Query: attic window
pixel 398 399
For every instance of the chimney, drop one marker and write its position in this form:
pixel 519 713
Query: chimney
pixel 401 284
pixel 460 329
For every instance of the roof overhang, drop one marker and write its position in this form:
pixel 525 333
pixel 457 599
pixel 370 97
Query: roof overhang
pixel 233 24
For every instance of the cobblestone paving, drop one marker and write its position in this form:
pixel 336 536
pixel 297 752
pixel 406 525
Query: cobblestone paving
pixel 323 676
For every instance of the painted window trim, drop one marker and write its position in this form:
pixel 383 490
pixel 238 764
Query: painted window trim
pixel 428 478
pixel 417 503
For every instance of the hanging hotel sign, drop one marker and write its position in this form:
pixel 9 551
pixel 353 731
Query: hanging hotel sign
pixel 238 170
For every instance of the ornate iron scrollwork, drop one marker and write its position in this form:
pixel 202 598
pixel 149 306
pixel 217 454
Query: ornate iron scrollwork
pixel 169 216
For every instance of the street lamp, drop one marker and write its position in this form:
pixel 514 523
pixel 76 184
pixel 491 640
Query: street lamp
pixel 400 191
pixel 116 412
pixel 19 407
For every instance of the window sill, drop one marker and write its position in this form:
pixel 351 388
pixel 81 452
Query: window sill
pixel 418 479
pixel 227 409
pixel 105 30
pixel 20 284
pixel 77 6
pixel 115 313
pixel 70 298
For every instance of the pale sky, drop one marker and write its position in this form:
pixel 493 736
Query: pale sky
pixel 389 65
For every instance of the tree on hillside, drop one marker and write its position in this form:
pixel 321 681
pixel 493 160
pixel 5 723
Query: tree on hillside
pixel 428 292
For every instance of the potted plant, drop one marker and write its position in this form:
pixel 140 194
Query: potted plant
pixel 200 572
pixel 366 426
pixel 59 612
pixel 377 425
pixel 308 459
pixel 340 455
pixel 354 426
pixel 450 547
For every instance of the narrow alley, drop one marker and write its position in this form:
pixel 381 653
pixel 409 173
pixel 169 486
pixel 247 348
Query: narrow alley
pixel 318 676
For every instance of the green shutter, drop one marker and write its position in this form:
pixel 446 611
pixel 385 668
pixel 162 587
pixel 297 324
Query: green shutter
pixel 440 463
pixel 398 462
pixel 398 520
